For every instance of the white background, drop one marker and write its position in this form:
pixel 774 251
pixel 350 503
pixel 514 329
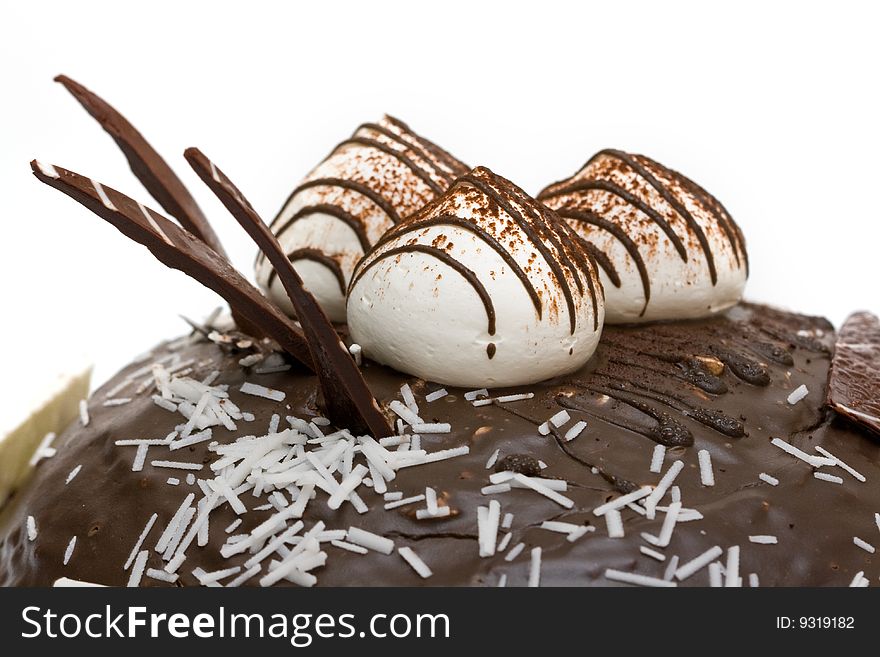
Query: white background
pixel 773 107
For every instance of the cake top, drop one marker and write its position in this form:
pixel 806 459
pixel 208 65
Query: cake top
pixel 464 281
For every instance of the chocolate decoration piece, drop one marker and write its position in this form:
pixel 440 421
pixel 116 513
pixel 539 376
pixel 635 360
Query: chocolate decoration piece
pixel 348 400
pixel 147 165
pixel 179 249
pixel 854 381
pixel 154 173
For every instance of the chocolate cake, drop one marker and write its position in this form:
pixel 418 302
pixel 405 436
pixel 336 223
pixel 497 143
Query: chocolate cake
pixel 731 445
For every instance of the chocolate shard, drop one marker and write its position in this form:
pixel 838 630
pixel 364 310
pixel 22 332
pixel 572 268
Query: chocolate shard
pixel 147 165
pixel 854 380
pixel 181 250
pixel 154 173
pixel 347 398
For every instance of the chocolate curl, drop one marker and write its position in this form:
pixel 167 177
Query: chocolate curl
pixel 153 172
pixel 181 250
pixel 348 400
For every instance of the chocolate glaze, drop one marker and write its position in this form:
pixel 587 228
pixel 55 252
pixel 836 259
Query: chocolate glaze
pixel 107 505
pixel 346 397
pixel 854 382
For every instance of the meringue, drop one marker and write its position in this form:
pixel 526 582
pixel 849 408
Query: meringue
pixel 666 248
pixel 382 174
pixel 484 287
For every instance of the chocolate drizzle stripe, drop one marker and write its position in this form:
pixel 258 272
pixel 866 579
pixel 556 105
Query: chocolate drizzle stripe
pixel 443 257
pixel 713 419
pixel 313 255
pixel 620 192
pixel 455 166
pixel 415 146
pixel 631 248
pixel 674 438
pixel 334 211
pixel 423 175
pixel 669 198
pixel 603 261
pixel 589 266
pixel 348 400
pixel 147 165
pixel 451 220
pixel 668 431
pixel 533 235
pixel 671 372
pixel 179 249
pixel 360 188
pixel 546 226
pixel 380 201
pixel 732 231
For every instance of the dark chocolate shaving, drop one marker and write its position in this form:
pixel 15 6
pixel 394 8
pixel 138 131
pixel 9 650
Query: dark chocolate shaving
pixel 854 380
pixel 179 249
pixel 347 398
pixel 154 173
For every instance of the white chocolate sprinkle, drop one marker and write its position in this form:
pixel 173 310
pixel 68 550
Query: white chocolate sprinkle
pixel 763 539
pixel 635 578
pixel 68 553
pixel 797 394
pixel 824 476
pixel 867 547
pixel 657 459
pixel 415 561
pixel 707 476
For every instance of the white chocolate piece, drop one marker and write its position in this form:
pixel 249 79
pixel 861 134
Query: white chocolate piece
pixel 423 299
pixel 639 213
pixel 384 173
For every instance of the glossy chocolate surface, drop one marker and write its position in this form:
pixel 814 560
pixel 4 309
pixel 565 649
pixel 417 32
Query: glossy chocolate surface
pixel 719 384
